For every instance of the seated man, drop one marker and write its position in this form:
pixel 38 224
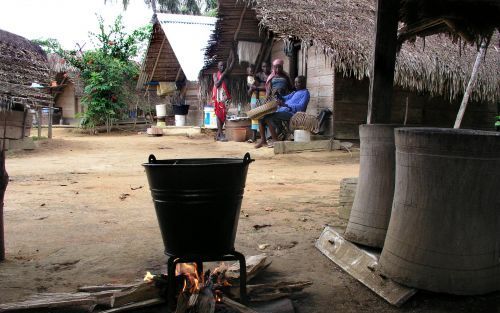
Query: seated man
pixel 289 105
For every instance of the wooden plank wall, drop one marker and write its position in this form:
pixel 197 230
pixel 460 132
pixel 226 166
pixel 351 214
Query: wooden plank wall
pixel 319 82
pixel 351 105
pixel 319 76
pixel 349 99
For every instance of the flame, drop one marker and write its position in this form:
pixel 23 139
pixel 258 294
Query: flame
pixel 190 271
pixel 149 277
pixel 194 283
pixel 218 296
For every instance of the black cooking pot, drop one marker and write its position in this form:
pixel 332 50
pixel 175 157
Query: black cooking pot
pixel 197 202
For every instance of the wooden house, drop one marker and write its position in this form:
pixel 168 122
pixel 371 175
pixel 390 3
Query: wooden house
pixel 175 56
pixel 331 43
pixel 23 72
pixel 67 88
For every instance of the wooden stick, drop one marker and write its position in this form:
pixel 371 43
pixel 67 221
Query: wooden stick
pixel 255 264
pixel 83 301
pixel 141 292
pixel 106 287
pixel 137 305
pixel 238 307
pixel 51 113
pixel 470 85
pixel 272 291
pixel 406 112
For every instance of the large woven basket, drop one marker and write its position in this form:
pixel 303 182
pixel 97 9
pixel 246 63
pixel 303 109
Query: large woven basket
pixel 259 112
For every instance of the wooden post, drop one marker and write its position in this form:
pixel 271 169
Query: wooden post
pixel 406 112
pixel 4 180
pixel 470 85
pixel 49 135
pixel 293 71
pixel 39 121
pixel 384 61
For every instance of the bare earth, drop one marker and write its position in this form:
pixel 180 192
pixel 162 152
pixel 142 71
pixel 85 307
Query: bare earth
pixel 78 212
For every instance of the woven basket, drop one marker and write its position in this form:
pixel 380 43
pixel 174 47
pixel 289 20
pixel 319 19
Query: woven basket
pixel 266 108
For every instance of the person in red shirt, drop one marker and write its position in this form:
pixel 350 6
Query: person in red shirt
pixel 220 94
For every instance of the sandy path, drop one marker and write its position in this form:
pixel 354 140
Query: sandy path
pixel 66 225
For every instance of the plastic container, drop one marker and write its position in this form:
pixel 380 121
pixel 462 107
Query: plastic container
pixel 210 119
pixel 300 135
pixel 161 110
pixel 180 120
pixel 198 206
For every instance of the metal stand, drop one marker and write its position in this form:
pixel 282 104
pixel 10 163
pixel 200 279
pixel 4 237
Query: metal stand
pixel 173 260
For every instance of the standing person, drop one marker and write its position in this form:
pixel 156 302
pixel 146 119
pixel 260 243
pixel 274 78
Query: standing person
pixel 290 104
pixel 262 75
pixel 278 83
pixel 221 95
pixel 257 92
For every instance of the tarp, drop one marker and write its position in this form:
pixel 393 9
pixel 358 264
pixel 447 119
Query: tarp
pixel 188 35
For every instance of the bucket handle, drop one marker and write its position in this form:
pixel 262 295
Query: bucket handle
pixel 152 158
pixel 247 159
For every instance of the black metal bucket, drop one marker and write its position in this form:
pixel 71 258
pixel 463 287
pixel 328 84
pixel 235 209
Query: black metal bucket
pixel 197 202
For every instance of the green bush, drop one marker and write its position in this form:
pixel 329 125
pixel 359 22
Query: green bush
pixel 106 71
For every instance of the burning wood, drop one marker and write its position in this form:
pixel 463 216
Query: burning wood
pixel 197 293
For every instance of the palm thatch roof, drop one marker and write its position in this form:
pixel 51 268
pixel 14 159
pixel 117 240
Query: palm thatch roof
pixel 344 31
pixel 21 64
pixel 63 72
pixel 235 19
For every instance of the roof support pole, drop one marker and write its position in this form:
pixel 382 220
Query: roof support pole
pixel 383 63
pixel 239 23
pixel 470 85
pixel 4 181
pixel 154 67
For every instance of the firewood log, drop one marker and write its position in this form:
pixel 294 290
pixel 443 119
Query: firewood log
pixel 271 291
pixel 136 305
pixel 238 307
pixel 82 302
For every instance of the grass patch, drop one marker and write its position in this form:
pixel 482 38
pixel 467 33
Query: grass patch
pixel 36 138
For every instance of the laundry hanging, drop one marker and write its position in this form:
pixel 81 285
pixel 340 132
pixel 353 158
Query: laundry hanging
pixel 248 51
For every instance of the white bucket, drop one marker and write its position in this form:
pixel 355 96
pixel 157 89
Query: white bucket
pixel 302 135
pixel 180 120
pixel 161 110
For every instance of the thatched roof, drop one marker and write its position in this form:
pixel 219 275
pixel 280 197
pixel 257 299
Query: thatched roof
pixel 22 63
pixel 63 72
pixel 344 31
pixel 234 18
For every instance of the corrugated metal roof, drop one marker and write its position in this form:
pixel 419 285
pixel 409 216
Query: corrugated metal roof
pixel 188 35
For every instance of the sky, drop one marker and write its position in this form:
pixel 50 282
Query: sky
pixel 68 21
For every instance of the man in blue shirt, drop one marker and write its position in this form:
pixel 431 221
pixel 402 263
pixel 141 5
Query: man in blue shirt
pixel 289 105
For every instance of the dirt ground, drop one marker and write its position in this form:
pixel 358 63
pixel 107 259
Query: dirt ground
pixel 78 212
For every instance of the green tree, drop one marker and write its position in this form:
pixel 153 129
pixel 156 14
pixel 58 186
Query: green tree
pixel 49 45
pixel 106 71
